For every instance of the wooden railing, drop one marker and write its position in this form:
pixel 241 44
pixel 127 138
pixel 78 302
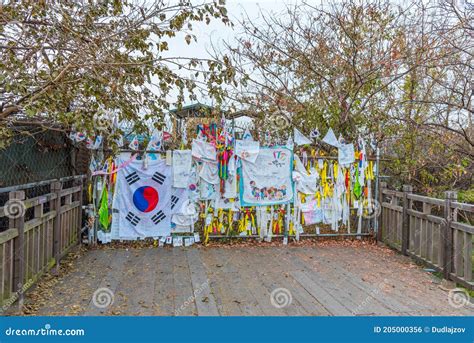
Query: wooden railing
pixel 437 232
pixel 41 230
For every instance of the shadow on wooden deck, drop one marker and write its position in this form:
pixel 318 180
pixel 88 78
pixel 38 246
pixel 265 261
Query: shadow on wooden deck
pixel 322 279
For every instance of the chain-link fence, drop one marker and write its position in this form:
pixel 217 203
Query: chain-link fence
pixel 33 159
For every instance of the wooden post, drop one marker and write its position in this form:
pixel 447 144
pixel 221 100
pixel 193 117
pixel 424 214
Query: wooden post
pixel 56 188
pixel 16 209
pixel 407 189
pixel 379 221
pixel 80 183
pixel 447 236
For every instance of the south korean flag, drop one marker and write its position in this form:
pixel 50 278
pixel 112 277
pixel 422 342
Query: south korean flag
pixel 144 200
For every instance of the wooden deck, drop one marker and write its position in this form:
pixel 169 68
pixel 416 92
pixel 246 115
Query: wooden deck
pixel 334 278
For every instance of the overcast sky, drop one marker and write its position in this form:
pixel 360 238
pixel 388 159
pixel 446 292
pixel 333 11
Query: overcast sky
pixel 216 32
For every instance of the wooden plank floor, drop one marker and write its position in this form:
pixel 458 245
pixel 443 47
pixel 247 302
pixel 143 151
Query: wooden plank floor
pixel 327 279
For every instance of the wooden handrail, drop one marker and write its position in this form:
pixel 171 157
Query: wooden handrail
pixel 463 227
pixel 425 199
pixel 463 206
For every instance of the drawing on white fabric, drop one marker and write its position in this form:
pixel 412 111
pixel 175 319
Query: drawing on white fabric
pixel 267 181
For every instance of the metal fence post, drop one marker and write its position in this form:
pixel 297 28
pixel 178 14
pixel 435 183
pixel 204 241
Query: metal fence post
pixel 377 187
pixel 450 196
pixel 407 189
pixel 56 188
pixel 17 221
pixel 287 222
pixel 379 219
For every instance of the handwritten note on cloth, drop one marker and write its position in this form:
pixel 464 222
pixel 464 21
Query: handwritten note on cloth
pixel 247 150
pixel 182 161
pixel 203 150
pixel 346 154
pixel 268 181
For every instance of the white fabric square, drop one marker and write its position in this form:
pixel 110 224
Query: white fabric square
pixel 331 139
pixel 300 139
pixel 346 154
pixel 182 161
pixel 209 173
pixel 267 181
pixel 247 150
pixel 203 150
pixel 306 183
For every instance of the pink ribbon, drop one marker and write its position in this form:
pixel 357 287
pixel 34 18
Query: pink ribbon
pixel 123 165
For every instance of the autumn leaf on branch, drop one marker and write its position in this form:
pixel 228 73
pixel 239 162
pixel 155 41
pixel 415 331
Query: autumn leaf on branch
pixel 71 62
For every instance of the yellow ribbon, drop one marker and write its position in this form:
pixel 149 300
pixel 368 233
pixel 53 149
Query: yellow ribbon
pixel 208 227
pixel 370 171
pixel 89 192
pixel 230 218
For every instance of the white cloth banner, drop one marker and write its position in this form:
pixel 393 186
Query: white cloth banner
pixel 203 150
pixel 183 210
pixel 310 204
pixel 193 188
pixel 247 150
pixel 346 154
pixel 267 181
pixel 182 161
pixel 143 204
pixel 331 139
pixel 230 185
pixel 209 173
pixel 247 135
pixel 289 143
pixel 300 139
pixel 313 217
pixel 306 183
pixel 185 215
pixel 155 141
pixel 207 191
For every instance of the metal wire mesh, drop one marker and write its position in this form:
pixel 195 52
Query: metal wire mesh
pixel 33 160
pixel 35 157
